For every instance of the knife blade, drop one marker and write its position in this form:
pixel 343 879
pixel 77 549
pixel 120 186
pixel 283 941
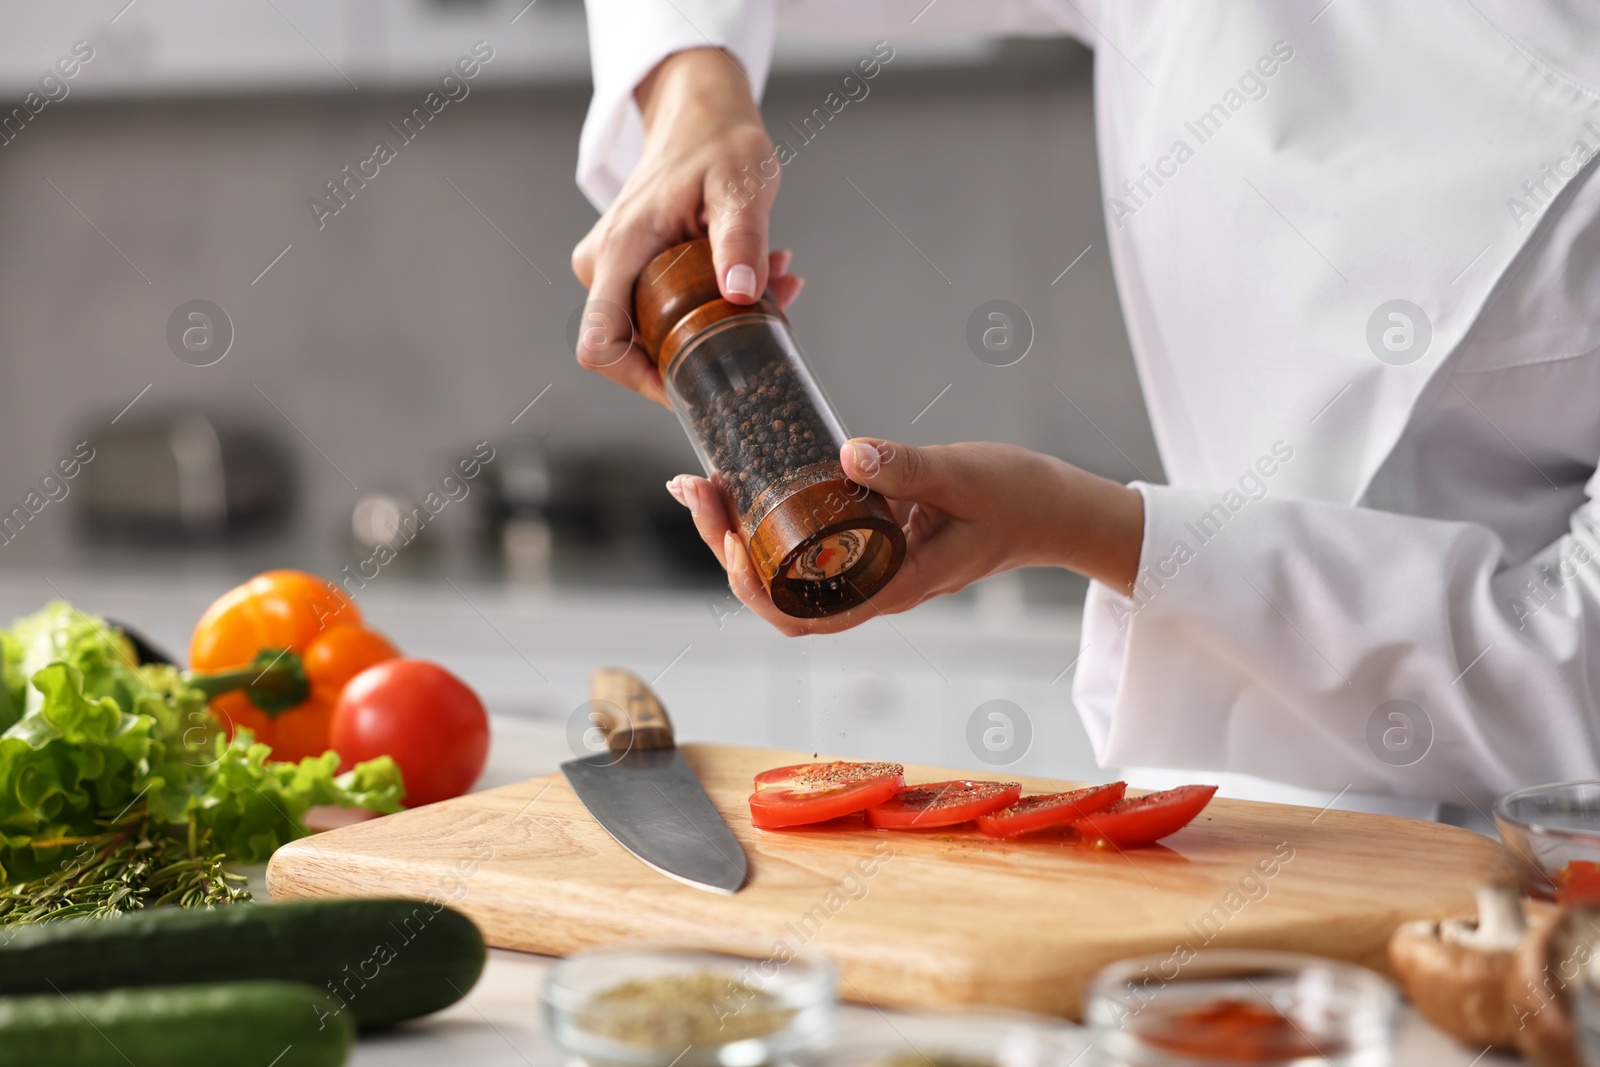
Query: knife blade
pixel 644 794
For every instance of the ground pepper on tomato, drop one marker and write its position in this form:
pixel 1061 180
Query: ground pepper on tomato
pixel 938 804
pixel 1144 820
pixel 1049 810
pixel 807 793
pixel 274 654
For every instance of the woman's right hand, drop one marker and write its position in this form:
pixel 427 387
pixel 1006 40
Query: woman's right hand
pixel 968 511
pixel 708 170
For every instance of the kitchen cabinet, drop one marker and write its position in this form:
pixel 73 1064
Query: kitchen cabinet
pixel 200 47
pixel 189 47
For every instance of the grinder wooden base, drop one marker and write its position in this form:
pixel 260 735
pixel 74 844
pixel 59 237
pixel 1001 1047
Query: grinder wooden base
pixel 785 539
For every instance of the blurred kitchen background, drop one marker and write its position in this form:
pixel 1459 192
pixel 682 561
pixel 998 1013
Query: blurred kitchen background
pixel 361 360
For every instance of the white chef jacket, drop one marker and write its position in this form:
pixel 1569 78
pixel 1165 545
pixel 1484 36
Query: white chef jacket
pixel 1375 509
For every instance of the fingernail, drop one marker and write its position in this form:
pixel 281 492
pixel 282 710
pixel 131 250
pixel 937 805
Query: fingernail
pixel 741 280
pixel 866 457
pixel 730 548
pixel 675 488
pixel 691 495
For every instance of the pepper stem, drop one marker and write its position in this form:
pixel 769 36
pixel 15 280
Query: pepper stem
pixel 275 681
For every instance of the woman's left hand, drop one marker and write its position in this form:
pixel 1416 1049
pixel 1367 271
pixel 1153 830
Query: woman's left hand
pixel 968 510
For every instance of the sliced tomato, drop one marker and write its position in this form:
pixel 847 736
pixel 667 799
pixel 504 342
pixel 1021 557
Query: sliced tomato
pixel 923 807
pixel 1049 809
pixel 1145 820
pixel 816 792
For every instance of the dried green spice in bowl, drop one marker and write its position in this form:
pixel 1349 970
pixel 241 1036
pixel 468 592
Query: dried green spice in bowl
pixel 678 1010
pixel 652 1006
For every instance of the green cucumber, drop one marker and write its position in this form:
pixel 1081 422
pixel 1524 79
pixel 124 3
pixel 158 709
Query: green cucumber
pixel 385 960
pixel 231 1023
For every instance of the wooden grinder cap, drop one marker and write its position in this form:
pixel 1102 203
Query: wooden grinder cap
pixel 677 296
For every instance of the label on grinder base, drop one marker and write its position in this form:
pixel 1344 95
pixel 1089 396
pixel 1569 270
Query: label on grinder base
pixel 830 557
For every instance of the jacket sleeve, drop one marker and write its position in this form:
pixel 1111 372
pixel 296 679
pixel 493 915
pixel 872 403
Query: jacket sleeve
pixel 627 38
pixel 1348 648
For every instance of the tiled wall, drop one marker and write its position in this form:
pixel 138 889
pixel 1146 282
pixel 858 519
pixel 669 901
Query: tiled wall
pixel 430 310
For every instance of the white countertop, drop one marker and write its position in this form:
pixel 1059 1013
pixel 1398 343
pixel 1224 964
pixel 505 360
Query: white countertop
pixel 499 1021
pixel 900 689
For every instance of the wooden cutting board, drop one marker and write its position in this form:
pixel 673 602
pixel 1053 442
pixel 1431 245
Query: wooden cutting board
pixel 911 919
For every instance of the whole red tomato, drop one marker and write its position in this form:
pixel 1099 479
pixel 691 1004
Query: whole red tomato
pixel 422 715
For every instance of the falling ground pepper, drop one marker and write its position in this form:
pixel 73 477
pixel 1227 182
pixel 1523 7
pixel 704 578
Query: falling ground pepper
pixel 672 1011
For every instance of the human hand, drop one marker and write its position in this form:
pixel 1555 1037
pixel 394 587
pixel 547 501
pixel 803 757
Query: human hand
pixel 968 511
pixel 704 173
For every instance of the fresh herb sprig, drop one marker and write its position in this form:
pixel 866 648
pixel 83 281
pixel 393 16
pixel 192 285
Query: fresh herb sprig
pixel 132 865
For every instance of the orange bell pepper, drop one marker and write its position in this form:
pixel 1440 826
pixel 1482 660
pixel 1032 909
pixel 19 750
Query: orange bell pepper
pixel 275 653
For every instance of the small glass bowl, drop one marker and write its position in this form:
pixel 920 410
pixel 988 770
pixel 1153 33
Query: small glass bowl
pixel 729 1011
pixel 1311 1010
pixel 1546 827
pixel 959 1038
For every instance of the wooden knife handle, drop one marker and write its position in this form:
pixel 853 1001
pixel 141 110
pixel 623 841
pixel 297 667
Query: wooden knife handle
pixel 627 712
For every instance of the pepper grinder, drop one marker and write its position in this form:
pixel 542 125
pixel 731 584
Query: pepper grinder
pixel 767 437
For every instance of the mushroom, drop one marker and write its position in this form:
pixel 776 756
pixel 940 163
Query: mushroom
pixel 1455 971
pixel 1553 956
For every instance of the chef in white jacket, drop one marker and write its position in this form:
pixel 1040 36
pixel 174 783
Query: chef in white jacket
pixel 1357 245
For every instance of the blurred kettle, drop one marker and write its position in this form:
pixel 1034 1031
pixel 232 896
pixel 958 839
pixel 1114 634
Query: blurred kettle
pixel 184 476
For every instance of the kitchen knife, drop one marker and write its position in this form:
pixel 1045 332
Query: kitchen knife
pixel 644 794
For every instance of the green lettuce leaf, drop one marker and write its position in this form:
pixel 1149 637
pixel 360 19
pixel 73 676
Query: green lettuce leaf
pixel 254 805
pixel 13 683
pixel 91 735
